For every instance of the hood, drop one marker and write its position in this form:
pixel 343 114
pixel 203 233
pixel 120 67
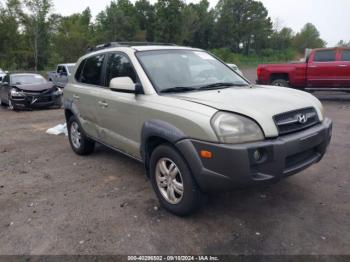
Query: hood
pixel 35 87
pixel 260 103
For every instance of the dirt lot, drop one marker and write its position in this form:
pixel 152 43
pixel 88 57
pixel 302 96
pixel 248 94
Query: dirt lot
pixel 55 202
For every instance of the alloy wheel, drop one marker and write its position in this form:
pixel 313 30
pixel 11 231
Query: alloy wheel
pixel 75 135
pixel 169 180
pixel 11 106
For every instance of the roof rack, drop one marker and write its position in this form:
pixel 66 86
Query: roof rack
pixel 124 44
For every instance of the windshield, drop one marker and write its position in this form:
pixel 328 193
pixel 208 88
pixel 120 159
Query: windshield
pixel 169 69
pixel 27 79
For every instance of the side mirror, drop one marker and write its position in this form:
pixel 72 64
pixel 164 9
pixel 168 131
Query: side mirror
pixel 123 84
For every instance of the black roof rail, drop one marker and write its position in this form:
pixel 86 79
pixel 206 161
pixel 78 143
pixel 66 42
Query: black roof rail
pixel 125 44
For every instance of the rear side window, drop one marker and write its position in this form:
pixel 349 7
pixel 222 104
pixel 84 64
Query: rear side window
pixel 61 69
pixel 119 66
pixel 92 70
pixel 345 55
pixel 325 56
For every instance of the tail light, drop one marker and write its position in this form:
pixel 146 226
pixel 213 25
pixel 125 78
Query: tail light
pixel 258 72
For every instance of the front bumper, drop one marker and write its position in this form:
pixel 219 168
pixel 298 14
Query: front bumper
pixel 37 100
pixel 235 165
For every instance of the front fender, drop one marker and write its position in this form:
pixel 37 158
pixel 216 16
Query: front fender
pixel 159 129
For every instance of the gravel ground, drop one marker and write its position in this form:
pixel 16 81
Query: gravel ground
pixel 55 202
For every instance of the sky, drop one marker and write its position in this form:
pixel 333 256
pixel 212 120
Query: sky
pixel 331 17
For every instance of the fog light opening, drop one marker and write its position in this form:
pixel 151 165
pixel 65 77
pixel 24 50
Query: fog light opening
pixel 258 155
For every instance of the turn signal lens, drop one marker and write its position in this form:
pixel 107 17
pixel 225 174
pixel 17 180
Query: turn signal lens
pixel 206 154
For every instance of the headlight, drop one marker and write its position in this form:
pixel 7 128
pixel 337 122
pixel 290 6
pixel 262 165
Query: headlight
pixel 58 92
pixel 14 92
pixel 231 128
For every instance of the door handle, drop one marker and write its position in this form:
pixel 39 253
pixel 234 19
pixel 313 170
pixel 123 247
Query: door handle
pixel 103 104
pixel 75 97
pixel 342 65
pixel 312 66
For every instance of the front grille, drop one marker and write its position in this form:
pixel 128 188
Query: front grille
pixel 39 99
pixel 296 120
pixel 44 99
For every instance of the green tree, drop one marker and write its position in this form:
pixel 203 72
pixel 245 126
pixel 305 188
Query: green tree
pixel 242 25
pixel 75 32
pixel 308 37
pixel 11 44
pixel 342 43
pixel 282 39
pixel 36 26
pixel 117 23
pixel 146 19
pixel 198 25
pixel 169 21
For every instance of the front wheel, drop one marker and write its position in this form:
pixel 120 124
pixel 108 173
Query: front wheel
pixel 11 105
pixel 280 82
pixel 80 143
pixel 173 181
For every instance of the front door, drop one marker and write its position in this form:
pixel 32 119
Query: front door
pixel 118 111
pixel 344 68
pixel 322 69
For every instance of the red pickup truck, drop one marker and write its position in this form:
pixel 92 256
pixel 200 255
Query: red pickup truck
pixel 322 69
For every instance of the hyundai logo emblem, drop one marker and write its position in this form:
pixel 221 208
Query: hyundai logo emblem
pixel 302 119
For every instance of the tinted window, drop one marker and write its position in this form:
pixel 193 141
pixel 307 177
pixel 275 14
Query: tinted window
pixel 345 55
pixel 61 69
pixel 6 79
pixel 119 66
pixel 325 56
pixel 79 71
pixel 93 70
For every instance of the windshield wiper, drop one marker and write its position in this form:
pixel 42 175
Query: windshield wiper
pixel 220 85
pixel 178 89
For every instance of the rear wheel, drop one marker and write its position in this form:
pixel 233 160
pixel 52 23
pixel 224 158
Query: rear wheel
pixel 173 181
pixel 80 143
pixel 280 82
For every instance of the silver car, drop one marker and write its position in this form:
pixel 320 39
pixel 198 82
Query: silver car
pixel 197 126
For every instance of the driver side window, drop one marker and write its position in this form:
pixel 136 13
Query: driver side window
pixel 119 66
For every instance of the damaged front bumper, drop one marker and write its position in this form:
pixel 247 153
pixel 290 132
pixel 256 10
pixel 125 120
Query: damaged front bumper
pixel 36 100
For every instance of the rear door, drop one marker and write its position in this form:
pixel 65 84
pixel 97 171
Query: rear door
pixel 322 69
pixel 86 89
pixel 344 68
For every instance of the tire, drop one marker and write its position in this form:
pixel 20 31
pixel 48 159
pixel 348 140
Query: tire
pixel 169 191
pixel 80 143
pixel 58 104
pixel 12 106
pixel 280 82
pixel 2 103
